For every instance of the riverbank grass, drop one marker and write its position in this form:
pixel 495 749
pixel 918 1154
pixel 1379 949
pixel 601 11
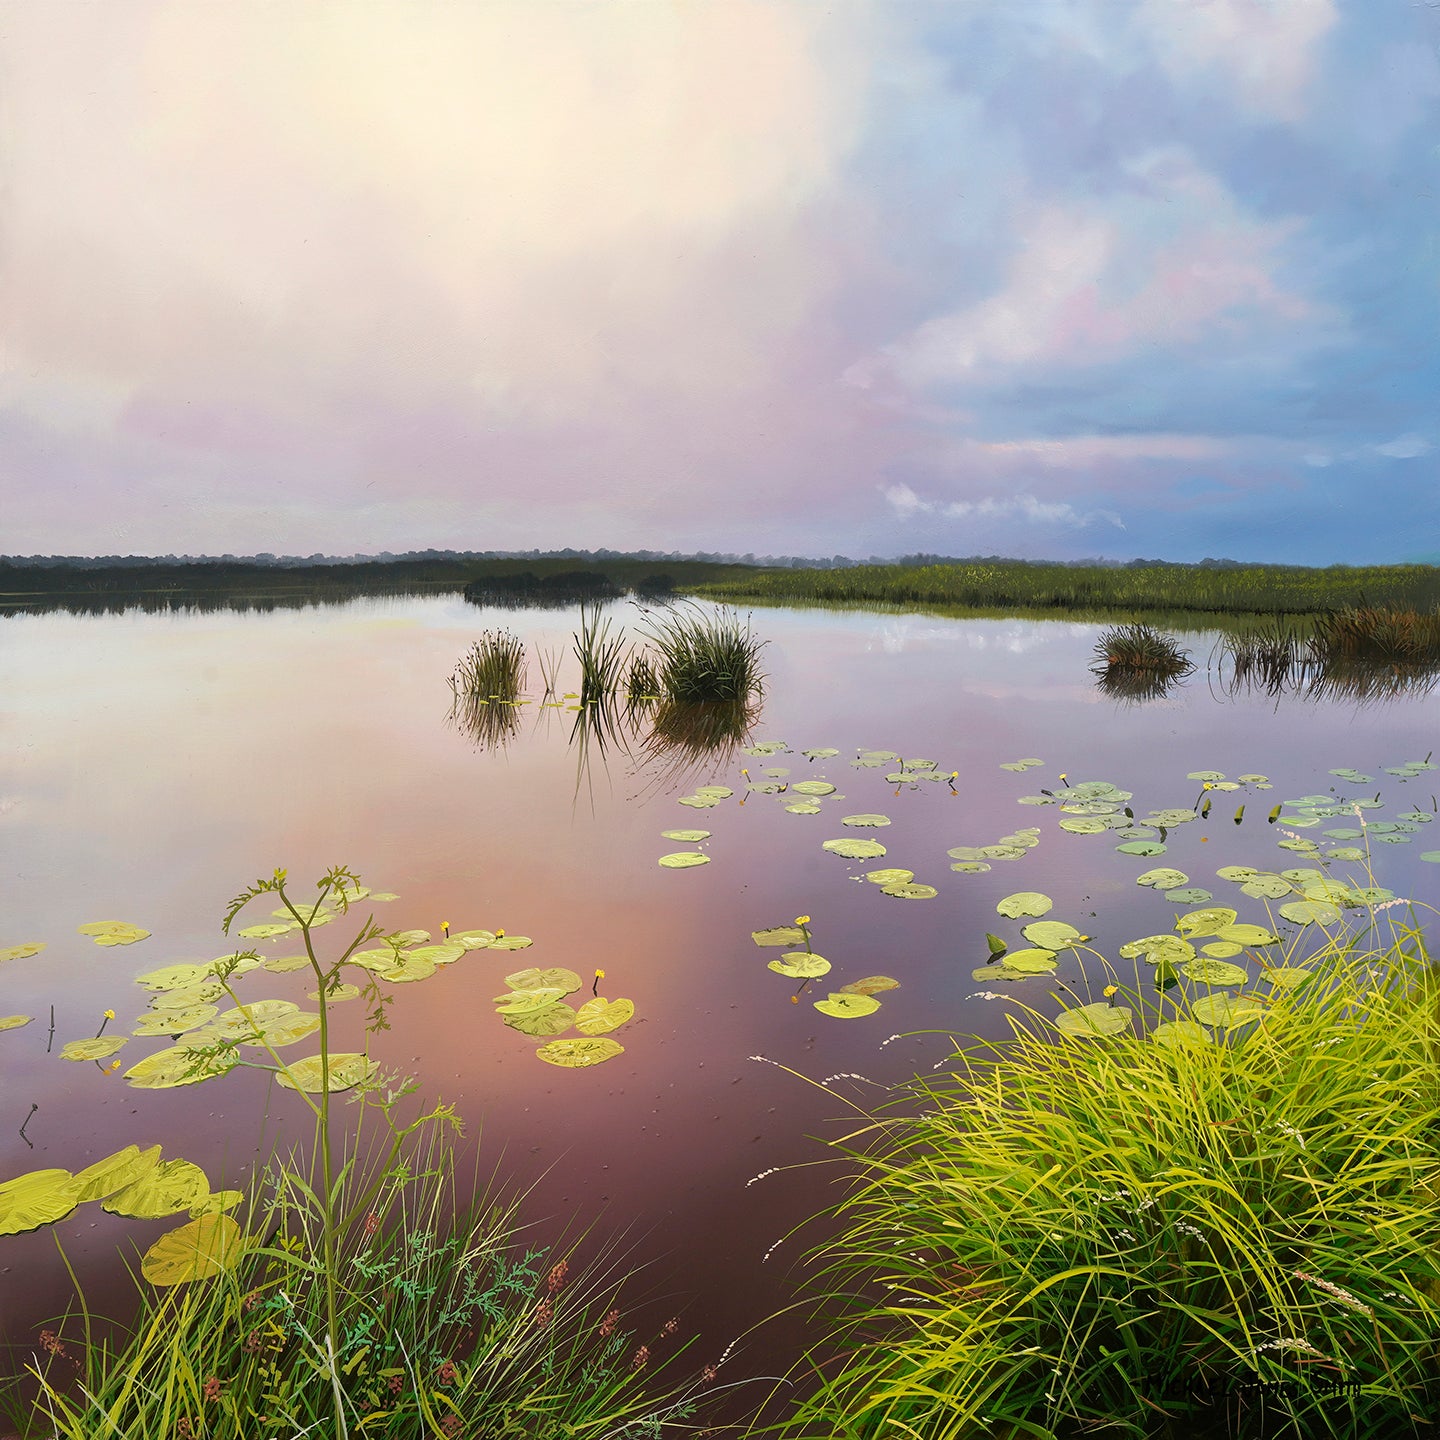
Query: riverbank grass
pixel 1062 1232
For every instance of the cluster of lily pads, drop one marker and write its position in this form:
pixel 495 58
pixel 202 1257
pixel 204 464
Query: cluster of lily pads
pixel 848 1002
pixel 140 1185
pixel 535 1005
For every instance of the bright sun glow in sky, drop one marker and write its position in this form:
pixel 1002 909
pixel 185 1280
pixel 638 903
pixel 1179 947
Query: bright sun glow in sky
pixel 1050 278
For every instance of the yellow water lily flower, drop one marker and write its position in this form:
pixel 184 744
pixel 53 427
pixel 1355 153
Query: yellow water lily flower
pixel 802 919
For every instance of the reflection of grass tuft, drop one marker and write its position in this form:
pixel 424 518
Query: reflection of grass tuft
pixel 1064 1235
pixel 707 656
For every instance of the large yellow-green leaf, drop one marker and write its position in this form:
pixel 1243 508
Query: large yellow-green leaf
pixel 553 1019
pixel 855 849
pixel 285 964
pixel 889 875
pixel 1155 948
pixel 1088 1021
pixel 1311 912
pixel 779 935
pixel 909 890
pixel 476 939
pixel 847 1006
pixel 14 1022
pixel 600 1016
pixel 1226 1010
pixel 511 942
pixel 347 1068
pixel 1177 1034
pixel 444 954
pixel 253 1016
pixel 1210 921
pixel 408 968
pixel 206 992
pixel 216 1203
pixel 268 929
pixel 39 1198
pixel 284 1030
pixel 1214 972
pixel 163 1189
pixel 172 1022
pixel 690 837
pixel 99 1048
pixel 1287 977
pixel 1025 902
pixel 1031 962
pixel 1053 934
pixel 113 932
pixel 19 952
pixel 813 787
pixel 577 1054
pixel 113 1173
pixel 800 966
pixel 1248 935
pixel 204 1247
pixel 684 860
pixel 556 977
pixel 343 991
pixel 870 985
pixel 522 1002
pixel 865 822
pixel 166 1069
pixel 172 977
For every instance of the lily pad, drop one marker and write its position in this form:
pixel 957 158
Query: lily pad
pixel 197 1250
pixel 578 1054
pixel 113 932
pixel 824 753
pixel 714 792
pixel 801 966
pixel 20 952
pixel 1227 1010
pixel 970 867
pixel 285 964
pixel 173 1021
pixel 525 1002
pixel 1025 902
pixel 1089 1021
pixel 909 890
pixel 1210 921
pixel 1215 972
pixel 343 991
pixel 870 985
pixel 1287 977
pixel 847 1006
pixel 889 876
pixel 112 1174
pixel 1237 872
pixel 100 1048
pixel 1311 912
pixel 1248 935
pixel 861 822
pixel 1266 887
pixel 254 1016
pixel 266 930
pixel 165 1188
pixel 1176 1034
pixel 1157 948
pixel 691 837
pixel 1031 962
pixel 812 787
pixel 474 939
pixel 802 807
pixel 855 849
pixel 1084 825
pixel 555 977
pixel 1189 895
pixel 347 1069
pixel 684 860
pixel 779 935
pixel 1205 775
pixel 1163 879
pixel 14 1022
pixel 511 942
pixel 179 1065
pixel 553 1019
pixel 599 1016
pixel 173 977
pixel 1222 949
pixel 1142 847
pixel 40 1198
pixel 700 802
pixel 1053 934
pixel 284 1030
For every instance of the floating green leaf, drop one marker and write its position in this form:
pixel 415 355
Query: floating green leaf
pixel 173 1022
pixel 1237 872
pixel 553 1019
pixel 511 942
pixel 1266 887
pixel 343 991
pixel 870 985
pixel 179 1065
pixel 779 935
pixel 474 939
pixel 197 1250
pixel 20 952
pixel 865 821
pixel 165 1188
pixel 1177 1034
pixel 847 1007
pixel 1025 902
pixel 215 1203
pixel 283 1030
pixel 173 977
pixel 1214 972
pixel 1210 921
pixel 1189 895
pixel 253 1016
pixel 113 932
pixel 266 929
pixel 1222 949
pixel 684 860
pixel 1157 948
pixel 1031 962
pixel 1248 935
pixel 578 1054
pixel 813 787
pixel 564 981
pixel 1088 1021
pixel 855 849
pixel 823 754
pixel 1311 912
pixel 714 792
pixel 970 867
pixel 909 890
pixel 1084 825
pixel 600 1016
pixel 1227 1010
pixel 700 802
pixel 1053 934
pixel 1205 775
pixel 285 964
pixel 348 1068
pixel 14 1022
pixel 889 876
pixel 801 966
pixel 1163 879
pixel 689 836
pixel 1287 977
pixel 523 1002
pixel 1142 847
pixel 112 1174
pixel 100 1048
pixel 40 1198
pixel 803 807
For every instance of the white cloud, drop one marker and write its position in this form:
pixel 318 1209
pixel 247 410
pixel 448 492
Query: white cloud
pixel 906 504
pixel 1405 447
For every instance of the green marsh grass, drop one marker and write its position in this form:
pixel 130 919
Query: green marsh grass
pixel 1005 585
pixel 1388 635
pixel 1055 1236
pixel 707 656
pixel 493 669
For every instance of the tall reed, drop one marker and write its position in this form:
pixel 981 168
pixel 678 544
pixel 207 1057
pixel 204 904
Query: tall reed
pixel 493 669
pixel 707 656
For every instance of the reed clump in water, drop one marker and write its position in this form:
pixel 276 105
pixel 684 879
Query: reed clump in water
pixel 1140 649
pixel 707 656
pixel 1380 634
pixel 493 669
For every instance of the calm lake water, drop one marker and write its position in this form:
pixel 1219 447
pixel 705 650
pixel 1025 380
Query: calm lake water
pixel 153 765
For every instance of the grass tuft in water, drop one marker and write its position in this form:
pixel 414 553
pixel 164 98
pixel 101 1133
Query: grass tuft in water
pixel 1139 651
pixel 707 656
pixel 1378 633
pixel 494 668
pixel 1057 1236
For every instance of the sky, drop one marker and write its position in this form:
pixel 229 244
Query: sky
pixel 1043 278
